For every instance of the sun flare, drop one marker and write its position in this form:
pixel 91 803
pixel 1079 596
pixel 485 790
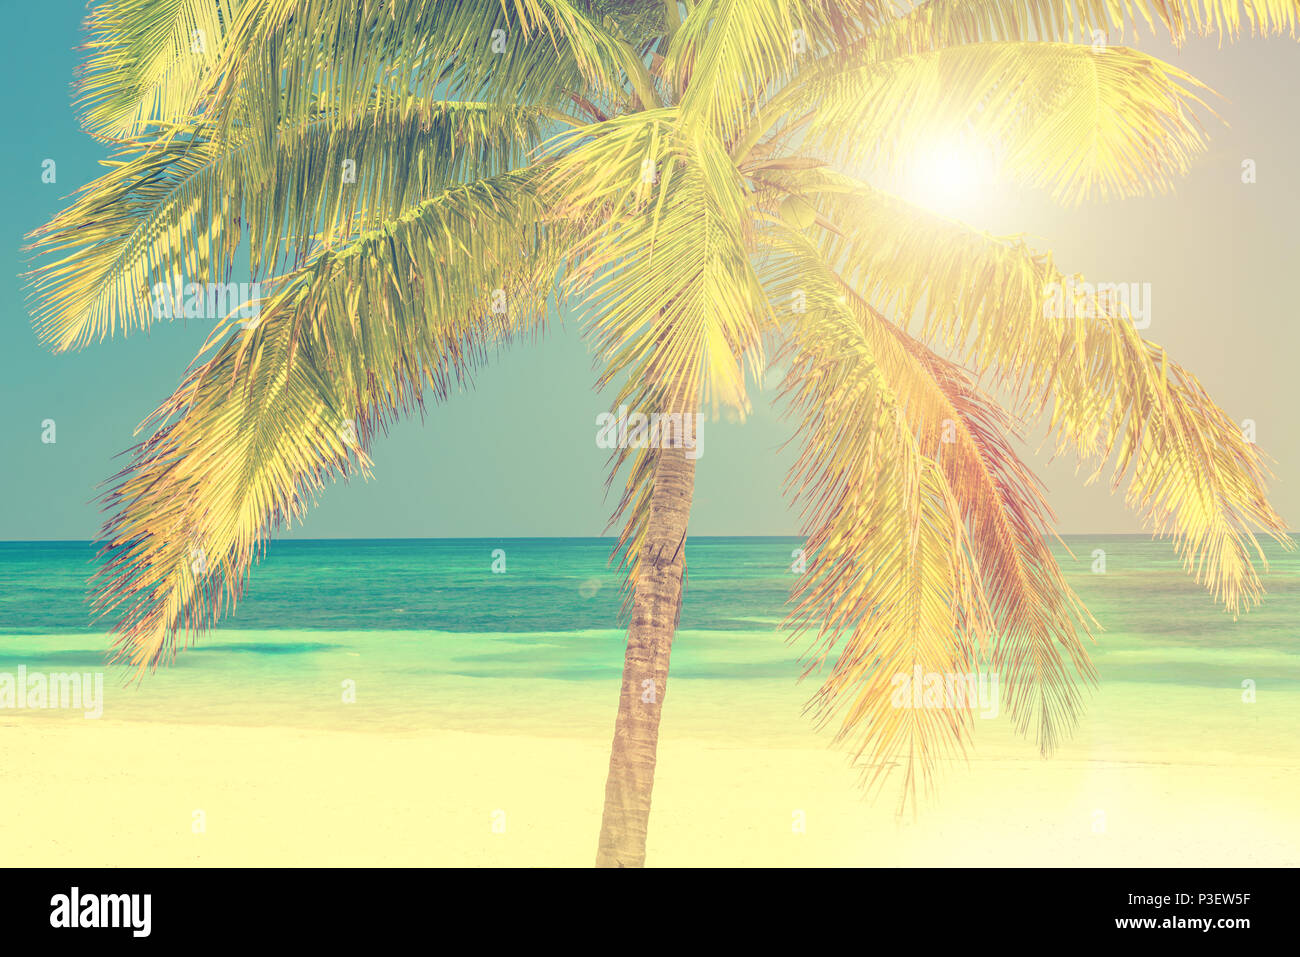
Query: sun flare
pixel 948 177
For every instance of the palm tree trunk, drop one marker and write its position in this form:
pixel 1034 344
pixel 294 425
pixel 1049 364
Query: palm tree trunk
pixel 655 606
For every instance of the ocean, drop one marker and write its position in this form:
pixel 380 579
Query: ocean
pixel 428 636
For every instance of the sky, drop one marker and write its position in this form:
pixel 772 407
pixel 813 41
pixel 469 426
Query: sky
pixel 515 455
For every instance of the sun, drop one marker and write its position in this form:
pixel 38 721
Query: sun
pixel 949 176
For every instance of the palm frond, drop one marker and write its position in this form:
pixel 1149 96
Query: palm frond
pixel 891 588
pixel 149 62
pixel 175 211
pixel 287 61
pixel 667 278
pixel 1034 614
pixel 729 52
pixel 342 346
pixel 1081 122
pixel 1192 474
pixel 935 24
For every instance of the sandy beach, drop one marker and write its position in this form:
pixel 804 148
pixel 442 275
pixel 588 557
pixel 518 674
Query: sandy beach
pixel 119 793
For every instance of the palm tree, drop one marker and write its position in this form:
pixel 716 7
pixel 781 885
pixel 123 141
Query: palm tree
pixel 416 184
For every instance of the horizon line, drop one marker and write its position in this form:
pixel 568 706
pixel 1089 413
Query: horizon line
pixel 479 538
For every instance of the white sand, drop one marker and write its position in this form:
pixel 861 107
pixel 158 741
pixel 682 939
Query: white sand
pixel 120 793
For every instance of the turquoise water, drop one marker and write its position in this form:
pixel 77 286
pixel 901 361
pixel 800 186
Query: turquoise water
pixel 422 585
pixel 431 637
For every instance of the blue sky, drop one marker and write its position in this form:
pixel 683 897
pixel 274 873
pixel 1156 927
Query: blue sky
pixel 517 456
